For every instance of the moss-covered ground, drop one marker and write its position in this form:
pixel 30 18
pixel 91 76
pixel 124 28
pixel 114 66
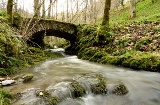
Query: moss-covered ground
pixel 134 45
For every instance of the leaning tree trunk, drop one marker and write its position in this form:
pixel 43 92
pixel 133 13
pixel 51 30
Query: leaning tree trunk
pixel 105 21
pixel 9 11
pixel 133 9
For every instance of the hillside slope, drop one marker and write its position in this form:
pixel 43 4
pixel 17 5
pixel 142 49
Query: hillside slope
pixel 145 11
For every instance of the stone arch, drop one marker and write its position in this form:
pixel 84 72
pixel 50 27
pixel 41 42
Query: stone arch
pixel 40 28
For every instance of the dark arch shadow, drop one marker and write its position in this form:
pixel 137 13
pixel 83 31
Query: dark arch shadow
pixel 37 38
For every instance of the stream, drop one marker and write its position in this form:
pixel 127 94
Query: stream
pixel 143 86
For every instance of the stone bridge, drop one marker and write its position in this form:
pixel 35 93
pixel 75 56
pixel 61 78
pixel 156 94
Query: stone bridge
pixel 40 28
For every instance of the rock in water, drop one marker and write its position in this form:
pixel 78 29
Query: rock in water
pixel 27 77
pixel 2 79
pixel 120 89
pixel 7 82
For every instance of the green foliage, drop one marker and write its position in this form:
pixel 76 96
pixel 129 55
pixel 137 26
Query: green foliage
pixel 5 97
pixel 3 16
pixel 145 11
pixel 141 44
pixel 17 20
pixel 92 36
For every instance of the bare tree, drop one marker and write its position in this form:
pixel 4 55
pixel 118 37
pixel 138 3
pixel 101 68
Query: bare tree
pixel 49 9
pixel 67 14
pixel 133 8
pixel 85 11
pixel 36 8
pixel 9 10
pixel 15 5
pixel 43 9
pixel 105 21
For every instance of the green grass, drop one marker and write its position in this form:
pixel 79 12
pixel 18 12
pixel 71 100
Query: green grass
pixel 145 11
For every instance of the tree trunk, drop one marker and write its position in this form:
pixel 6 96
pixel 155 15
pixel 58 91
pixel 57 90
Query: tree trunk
pixel 77 11
pixel 49 9
pixel 95 11
pixel 9 11
pixel 67 14
pixel 105 21
pixel 36 8
pixel 85 11
pixel 43 9
pixel 122 3
pixel 133 8
pixel 15 6
pixel 56 3
pixel 91 10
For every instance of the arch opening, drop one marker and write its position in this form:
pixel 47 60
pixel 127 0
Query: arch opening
pixel 37 39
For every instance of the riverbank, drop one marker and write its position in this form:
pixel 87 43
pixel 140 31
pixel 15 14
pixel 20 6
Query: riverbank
pixel 134 45
pixel 15 55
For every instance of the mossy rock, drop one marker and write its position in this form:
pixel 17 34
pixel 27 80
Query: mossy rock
pixel 100 87
pixel 50 99
pixel 120 89
pixel 77 89
pixel 27 77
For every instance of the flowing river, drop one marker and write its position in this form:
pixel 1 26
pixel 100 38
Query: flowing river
pixel 143 86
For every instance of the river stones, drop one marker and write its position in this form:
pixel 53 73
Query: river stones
pixel 2 79
pixel 77 89
pixel 27 77
pixel 32 97
pixel 120 89
pixel 94 83
pixel 7 82
pixel 23 78
pixel 100 87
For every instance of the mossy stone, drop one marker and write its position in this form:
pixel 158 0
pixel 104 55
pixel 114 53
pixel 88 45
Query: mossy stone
pixel 100 87
pixel 27 77
pixel 120 89
pixel 77 89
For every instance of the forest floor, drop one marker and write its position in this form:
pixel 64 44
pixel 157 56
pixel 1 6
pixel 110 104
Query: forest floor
pixel 132 43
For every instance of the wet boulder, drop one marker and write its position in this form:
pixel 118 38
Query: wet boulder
pixel 94 83
pixel 77 89
pixel 120 89
pixel 100 87
pixel 27 77
pixel 7 82
pixel 36 96
pixel 23 78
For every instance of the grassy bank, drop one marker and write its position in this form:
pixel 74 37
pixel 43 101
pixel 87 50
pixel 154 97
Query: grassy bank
pixel 145 11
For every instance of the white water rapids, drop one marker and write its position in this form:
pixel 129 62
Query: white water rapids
pixel 143 86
